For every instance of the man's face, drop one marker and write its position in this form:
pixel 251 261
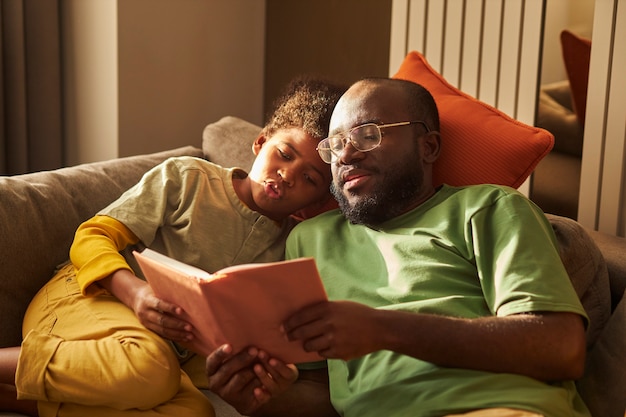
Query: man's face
pixel 375 186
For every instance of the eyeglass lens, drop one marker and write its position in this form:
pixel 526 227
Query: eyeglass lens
pixel 363 138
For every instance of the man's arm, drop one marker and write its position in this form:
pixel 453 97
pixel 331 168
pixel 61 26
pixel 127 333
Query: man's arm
pixel 308 396
pixel 258 386
pixel 544 346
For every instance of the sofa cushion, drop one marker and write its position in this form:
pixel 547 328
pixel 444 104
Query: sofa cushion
pixel 41 212
pixel 587 270
pixel 228 142
pixel 480 144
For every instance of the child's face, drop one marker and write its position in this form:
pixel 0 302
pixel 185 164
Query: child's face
pixel 287 174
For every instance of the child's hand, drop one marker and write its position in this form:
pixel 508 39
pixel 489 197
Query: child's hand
pixel 157 315
pixel 161 317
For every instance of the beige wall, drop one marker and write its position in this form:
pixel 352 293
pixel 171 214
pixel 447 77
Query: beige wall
pixel 341 39
pixel 90 80
pixel 183 64
pixel 148 75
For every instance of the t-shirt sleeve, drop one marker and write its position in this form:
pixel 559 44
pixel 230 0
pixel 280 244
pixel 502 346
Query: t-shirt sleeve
pixel 95 250
pixel 155 199
pixel 517 259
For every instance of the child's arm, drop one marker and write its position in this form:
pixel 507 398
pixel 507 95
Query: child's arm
pixel 95 251
pixel 99 265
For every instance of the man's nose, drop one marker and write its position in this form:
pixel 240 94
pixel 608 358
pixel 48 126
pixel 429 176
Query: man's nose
pixel 349 153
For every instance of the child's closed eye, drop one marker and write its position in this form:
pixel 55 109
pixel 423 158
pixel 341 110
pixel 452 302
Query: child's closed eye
pixel 284 154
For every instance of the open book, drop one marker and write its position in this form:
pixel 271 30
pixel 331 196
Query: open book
pixel 241 305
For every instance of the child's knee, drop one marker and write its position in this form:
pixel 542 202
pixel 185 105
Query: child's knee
pixel 152 369
pixel 190 401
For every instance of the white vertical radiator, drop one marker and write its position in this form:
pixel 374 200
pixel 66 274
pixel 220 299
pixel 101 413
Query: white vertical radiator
pixel 490 49
pixel 602 199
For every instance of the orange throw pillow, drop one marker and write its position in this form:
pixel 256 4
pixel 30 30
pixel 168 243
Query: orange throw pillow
pixel 480 144
pixel 576 57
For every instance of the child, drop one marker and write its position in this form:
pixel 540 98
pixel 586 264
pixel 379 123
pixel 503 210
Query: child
pixel 91 343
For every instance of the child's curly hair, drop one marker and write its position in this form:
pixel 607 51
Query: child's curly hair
pixel 306 103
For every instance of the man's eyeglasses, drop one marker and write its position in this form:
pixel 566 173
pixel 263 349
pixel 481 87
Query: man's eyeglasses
pixel 363 138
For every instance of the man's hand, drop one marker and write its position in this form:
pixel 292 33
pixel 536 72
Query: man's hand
pixel 258 385
pixel 339 330
pixel 275 376
pixel 249 379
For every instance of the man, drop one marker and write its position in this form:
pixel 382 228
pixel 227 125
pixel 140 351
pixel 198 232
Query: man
pixel 444 300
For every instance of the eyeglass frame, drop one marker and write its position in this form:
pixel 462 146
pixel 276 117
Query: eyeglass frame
pixel 348 133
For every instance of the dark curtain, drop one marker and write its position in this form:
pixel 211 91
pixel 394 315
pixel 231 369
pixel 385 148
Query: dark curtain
pixel 31 121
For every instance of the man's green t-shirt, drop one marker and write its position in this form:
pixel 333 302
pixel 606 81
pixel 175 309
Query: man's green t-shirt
pixel 466 252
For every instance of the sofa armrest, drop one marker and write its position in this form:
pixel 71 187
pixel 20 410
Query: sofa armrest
pixel 560 92
pixel 555 114
pixel 587 270
pixel 613 250
pixel 41 212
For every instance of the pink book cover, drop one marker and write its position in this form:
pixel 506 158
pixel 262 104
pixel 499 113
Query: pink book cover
pixel 243 305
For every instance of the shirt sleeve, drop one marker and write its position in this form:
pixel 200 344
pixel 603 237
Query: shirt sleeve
pixel 518 260
pixel 95 251
pixel 156 199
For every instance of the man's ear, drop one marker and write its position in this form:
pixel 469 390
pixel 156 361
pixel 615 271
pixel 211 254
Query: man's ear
pixel 432 147
pixel 258 143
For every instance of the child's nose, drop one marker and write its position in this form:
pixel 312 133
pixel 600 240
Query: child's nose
pixel 286 175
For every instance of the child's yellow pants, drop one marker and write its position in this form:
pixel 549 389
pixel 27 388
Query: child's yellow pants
pixel 90 356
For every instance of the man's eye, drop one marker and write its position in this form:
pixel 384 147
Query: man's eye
pixel 310 179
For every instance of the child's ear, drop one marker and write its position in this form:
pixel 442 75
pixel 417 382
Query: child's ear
pixel 258 143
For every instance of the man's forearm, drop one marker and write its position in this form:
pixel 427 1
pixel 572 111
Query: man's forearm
pixel 548 346
pixel 305 398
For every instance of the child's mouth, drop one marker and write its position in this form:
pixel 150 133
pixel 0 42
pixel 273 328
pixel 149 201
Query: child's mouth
pixel 272 190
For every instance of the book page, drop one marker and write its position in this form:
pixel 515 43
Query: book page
pixel 243 305
pixel 176 264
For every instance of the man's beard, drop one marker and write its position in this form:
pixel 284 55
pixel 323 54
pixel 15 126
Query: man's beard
pixel 391 197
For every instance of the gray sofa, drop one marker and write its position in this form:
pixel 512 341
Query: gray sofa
pixel 40 212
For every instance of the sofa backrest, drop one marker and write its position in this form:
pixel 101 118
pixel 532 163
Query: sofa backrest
pixel 39 214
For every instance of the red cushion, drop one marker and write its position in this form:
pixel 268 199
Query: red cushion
pixel 576 57
pixel 480 144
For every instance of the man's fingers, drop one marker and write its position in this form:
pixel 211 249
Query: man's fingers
pixel 215 359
